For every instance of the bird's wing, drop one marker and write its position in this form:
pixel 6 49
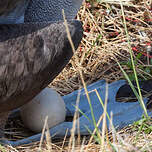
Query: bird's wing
pixel 31 56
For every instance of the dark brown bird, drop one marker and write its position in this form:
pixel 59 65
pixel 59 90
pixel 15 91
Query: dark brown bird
pixel 32 55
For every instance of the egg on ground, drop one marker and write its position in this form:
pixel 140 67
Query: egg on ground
pixel 47 103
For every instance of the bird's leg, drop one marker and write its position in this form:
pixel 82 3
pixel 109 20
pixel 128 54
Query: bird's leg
pixel 3 119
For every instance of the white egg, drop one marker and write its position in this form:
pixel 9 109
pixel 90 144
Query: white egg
pixel 47 103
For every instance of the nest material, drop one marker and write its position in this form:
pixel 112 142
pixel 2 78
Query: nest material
pixel 105 42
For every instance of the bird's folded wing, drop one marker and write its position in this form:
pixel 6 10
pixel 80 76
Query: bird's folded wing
pixel 32 55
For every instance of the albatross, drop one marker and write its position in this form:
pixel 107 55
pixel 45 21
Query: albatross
pixel 34 48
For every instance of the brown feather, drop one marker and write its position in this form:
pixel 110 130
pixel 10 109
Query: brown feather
pixel 30 62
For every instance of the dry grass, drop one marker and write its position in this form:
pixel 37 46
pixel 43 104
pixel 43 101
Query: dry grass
pixel 103 43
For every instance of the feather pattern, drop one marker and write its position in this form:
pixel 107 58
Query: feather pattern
pixel 32 55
